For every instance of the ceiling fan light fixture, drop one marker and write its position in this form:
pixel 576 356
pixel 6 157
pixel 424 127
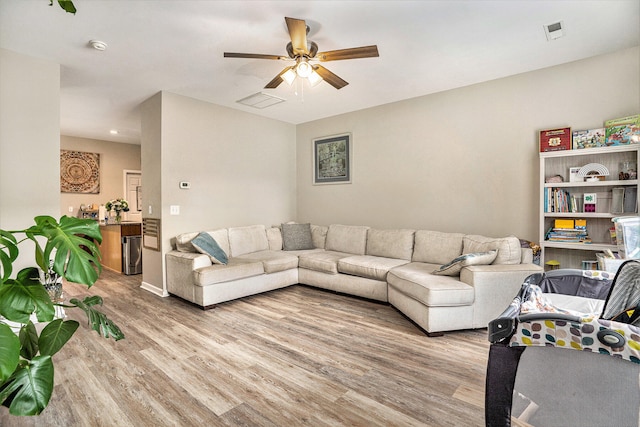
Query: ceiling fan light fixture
pixel 314 79
pixel 289 76
pixel 304 69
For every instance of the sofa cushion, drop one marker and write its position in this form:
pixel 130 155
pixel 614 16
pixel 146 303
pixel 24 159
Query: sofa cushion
pixel 273 261
pixel 319 235
pixel 478 258
pixel 274 237
pixel 221 236
pixel 351 239
pixel 371 267
pixel 244 240
pixel 205 244
pixel 390 243
pixel 436 247
pixel 509 250
pixel 234 270
pixel 414 280
pixel 322 261
pixel 296 237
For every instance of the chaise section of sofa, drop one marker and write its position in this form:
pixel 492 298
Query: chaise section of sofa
pixel 464 296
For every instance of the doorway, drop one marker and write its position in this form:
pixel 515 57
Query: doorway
pixel 133 195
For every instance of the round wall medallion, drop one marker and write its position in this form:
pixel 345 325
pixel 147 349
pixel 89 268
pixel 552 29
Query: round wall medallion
pixel 79 172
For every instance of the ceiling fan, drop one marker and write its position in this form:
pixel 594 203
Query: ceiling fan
pixel 305 52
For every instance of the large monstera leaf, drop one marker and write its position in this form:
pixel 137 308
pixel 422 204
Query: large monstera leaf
pixel 55 335
pixel 9 352
pixel 24 295
pixel 28 390
pixel 77 257
pixel 98 321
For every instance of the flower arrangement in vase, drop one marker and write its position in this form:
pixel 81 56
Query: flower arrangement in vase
pixel 119 206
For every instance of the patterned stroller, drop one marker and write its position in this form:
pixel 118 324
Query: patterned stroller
pixel 531 377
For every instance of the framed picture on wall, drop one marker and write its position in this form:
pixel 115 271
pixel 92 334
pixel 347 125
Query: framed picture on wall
pixel 332 159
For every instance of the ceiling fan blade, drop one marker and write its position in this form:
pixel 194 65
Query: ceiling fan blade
pixel 351 53
pixel 298 33
pixel 252 56
pixel 277 79
pixel 330 77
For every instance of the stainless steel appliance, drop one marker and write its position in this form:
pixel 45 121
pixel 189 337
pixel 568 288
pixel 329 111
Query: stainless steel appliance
pixel 132 255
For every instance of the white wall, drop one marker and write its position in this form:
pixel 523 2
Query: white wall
pixel 241 166
pixel 29 142
pixel 114 159
pixel 464 160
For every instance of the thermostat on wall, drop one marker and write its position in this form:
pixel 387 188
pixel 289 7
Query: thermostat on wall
pixel 185 184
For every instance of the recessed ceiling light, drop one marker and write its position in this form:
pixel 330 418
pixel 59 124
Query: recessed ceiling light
pixel 98 45
pixel 113 131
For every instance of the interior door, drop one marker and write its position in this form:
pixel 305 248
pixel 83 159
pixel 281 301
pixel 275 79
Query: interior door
pixel 133 191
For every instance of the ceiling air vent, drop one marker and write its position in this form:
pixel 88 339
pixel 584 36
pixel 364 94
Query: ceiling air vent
pixel 260 100
pixel 554 31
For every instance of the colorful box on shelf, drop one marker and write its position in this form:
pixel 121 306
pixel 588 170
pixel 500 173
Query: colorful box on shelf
pixel 555 139
pixel 564 223
pixel 588 138
pixel 571 224
pixel 623 131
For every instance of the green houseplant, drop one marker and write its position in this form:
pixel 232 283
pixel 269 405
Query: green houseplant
pixel 69 251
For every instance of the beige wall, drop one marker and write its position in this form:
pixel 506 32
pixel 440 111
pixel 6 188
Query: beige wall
pixel 151 132
pixel 464 160
pixel 114 159
pixel 29 142
pixel 241 166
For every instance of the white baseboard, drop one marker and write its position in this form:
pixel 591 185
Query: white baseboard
pixel 154 289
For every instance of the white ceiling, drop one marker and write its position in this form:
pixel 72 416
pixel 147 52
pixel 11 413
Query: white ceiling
pixel 177 46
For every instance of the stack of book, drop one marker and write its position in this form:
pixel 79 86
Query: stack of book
pixel 568 231
pixel 559 200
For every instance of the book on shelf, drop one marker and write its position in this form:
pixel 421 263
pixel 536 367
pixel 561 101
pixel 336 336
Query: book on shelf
pixel 623 131
pixel 588 138
pixel 567 235
pixel 555 139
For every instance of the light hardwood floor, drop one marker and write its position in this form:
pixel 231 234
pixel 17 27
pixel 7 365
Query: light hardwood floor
pixel 292 357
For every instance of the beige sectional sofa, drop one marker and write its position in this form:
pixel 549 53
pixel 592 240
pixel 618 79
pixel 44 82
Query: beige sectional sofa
pixel 395 266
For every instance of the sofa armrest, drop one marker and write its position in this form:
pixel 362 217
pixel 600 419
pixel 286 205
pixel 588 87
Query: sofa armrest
pixel 494 287
pixel 526 256
pixel 180 266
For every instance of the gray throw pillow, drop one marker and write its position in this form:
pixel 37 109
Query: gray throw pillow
pixel 205 244
pixel 296 237
pixel 479 258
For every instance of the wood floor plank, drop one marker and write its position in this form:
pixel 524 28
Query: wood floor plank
pixel 297 356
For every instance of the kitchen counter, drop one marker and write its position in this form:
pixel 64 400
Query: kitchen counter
pixel 111 246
